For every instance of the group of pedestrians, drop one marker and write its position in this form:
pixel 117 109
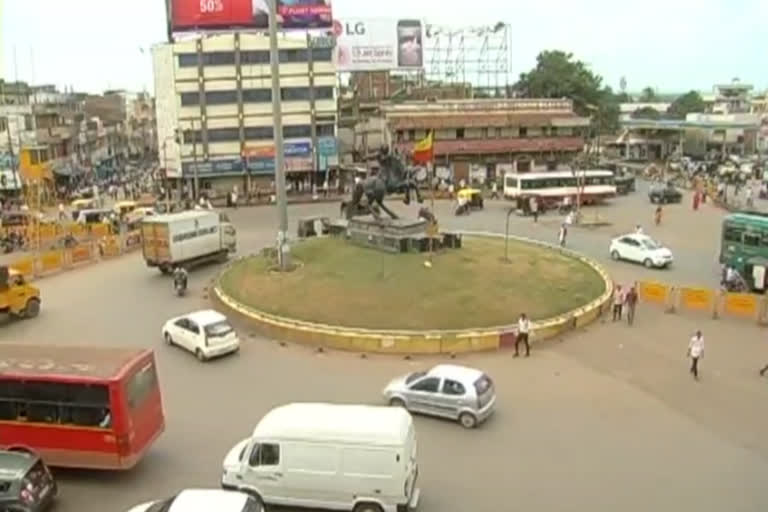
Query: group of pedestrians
pixel 624 299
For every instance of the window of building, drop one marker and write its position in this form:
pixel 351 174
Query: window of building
pixel 254 57
pixel 190 99
pixel 323 93
pixel 219 59
pixel 321 54
pixel 484 133
pixel 411 134
pixel 460 133
pixel 293 132
pixel 192 136
pixel 399 135
pixel 259 133
pixel 3 124
pixel 294 55
pixel 498 133
pixel 553 131
pixel 523 131
pixel 28 123
pixel 326 130
pixel 187 60
pixel 223 134
pixel 257 96
pixel 545 130
pixel 221 97
pixel 294 93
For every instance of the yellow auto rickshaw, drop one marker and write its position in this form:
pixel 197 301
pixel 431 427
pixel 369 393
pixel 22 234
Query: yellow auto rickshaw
pixel 123 208
pixel 472 196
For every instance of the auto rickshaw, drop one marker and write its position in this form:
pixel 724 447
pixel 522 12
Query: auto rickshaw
pixel 123 208
pixel 472 196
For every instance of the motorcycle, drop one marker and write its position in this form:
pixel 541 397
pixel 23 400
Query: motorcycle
pixel 180 285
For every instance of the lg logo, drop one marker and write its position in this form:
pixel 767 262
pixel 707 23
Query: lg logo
pixel 348 29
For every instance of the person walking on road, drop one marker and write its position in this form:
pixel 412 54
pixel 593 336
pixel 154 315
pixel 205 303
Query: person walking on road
pixel 523 329
pixel 618 302
pixel 563 234
pixel 657 215
pixel 534 204
pixel 695 352
pixel 631 301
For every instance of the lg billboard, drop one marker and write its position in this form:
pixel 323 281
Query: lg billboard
pixel 196 15
pixel 378 45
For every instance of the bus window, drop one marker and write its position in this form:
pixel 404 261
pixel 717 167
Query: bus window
pixel 141 385
pixel 54 402
pixel 733 233
pixel 752 239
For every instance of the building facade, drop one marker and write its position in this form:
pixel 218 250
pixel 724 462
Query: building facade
pixel 214 110
pixel 481 139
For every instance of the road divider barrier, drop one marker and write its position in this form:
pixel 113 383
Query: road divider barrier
pixel 713 301
pixel 422 342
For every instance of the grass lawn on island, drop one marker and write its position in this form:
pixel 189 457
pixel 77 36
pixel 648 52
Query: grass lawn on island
pixel 341 284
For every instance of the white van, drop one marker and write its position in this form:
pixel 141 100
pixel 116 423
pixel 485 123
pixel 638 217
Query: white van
pixel 338 457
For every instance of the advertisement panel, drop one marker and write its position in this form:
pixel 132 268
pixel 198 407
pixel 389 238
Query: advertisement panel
pixel 258 160
pixel 378 45
pixel 196 15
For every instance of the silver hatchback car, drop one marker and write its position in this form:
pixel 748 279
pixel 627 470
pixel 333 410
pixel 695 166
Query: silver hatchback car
pixel 448 391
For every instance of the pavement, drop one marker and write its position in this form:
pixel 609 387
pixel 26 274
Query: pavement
pixel 606 418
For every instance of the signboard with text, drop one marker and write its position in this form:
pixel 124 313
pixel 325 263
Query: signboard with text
pixel 200 15
pixel 378 45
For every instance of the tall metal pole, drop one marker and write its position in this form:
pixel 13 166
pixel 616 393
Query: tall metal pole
pixel 196 183
pixel 283 249
pixel 312 113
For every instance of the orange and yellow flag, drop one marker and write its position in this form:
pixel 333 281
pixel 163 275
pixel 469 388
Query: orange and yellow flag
pixel 423 151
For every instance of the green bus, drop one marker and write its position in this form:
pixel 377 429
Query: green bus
pixel 744 245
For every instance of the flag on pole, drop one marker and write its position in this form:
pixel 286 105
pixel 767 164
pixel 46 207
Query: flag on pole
pixel 423 150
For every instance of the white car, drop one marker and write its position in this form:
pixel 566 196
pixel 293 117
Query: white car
pixel 640 249
pixel 199 500
pixel 206 334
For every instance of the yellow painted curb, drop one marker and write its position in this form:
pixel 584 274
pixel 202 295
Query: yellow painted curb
pixel 423 342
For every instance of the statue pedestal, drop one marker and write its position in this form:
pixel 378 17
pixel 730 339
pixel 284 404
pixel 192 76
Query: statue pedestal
pixel 390 235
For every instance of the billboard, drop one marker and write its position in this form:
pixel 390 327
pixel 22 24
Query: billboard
pixel 194 15
pixel 378 45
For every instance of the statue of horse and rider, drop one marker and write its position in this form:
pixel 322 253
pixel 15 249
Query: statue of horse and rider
pixel 391 178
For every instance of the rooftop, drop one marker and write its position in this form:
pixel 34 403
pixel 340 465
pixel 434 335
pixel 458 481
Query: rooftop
pixel 502 145
pixel 490 119
pixel 206 317
pixel 454 371
pixel 66 361
pixel 363 424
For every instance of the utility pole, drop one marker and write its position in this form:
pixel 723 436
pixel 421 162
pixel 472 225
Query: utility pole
pixel 194 160
pixel 283 248
pixel 14 161
pixel 312 113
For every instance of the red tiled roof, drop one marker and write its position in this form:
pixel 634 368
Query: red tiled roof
pixel 410 122
pixel 510 145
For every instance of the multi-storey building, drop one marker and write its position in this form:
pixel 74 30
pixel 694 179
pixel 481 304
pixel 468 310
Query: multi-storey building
pixel 481 139
pixel 214 109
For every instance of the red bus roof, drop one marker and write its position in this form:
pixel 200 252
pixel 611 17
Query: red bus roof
pixel 47 361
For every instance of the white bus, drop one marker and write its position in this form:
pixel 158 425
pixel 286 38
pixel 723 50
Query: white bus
pixel 553 187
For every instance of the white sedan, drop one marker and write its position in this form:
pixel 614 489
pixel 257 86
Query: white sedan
pixel 640 249
pixel 206 334
pixel 197 500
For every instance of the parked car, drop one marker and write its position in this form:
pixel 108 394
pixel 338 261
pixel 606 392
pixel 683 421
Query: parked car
pixel 195 500
pixel 663 194
pixel 26 484
pixel 640 249
pixel 448 391
pixel 207 334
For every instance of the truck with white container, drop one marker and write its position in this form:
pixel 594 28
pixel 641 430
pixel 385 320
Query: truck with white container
pixel 187 239
pixel 326 456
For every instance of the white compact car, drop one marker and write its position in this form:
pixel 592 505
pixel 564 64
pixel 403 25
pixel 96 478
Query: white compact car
pixel 197 500
pixel 640 249
pixel 207 334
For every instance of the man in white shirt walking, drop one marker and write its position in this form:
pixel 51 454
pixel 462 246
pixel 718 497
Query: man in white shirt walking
pixel 523 328
pixel 696 351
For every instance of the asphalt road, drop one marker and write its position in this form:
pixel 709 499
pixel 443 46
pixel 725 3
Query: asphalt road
pixel 607 419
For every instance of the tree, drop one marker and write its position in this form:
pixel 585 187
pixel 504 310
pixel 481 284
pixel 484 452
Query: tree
pixel 558 75
pixel 686 104
pixel 646 113
pixel 648 95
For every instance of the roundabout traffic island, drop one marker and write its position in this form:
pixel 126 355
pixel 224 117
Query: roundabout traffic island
pixel 349 297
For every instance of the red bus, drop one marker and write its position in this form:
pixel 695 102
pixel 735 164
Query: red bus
pixel 80 407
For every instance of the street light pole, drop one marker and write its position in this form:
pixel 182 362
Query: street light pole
pixel 283 248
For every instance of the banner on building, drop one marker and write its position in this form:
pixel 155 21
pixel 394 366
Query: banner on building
pixel 200 15
pixel 378 45
pixel 256 160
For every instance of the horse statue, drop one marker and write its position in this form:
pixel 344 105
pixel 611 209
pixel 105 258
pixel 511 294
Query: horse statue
pixel 392 178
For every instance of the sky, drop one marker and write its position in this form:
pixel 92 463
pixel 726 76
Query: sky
pixel 670 45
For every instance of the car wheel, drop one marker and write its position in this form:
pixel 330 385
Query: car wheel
pixel 367 507
pixel 32 309
pixel 397 402
pixel 199 355
pixel 467 420
pixel 615 255
pixel 648 263
pixel 168 339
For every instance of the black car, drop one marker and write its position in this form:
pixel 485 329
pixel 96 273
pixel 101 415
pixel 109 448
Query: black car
pixel 625 183
pixel 26 485
pixel 663 194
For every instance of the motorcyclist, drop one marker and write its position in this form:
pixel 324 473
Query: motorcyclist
pixel 180 277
